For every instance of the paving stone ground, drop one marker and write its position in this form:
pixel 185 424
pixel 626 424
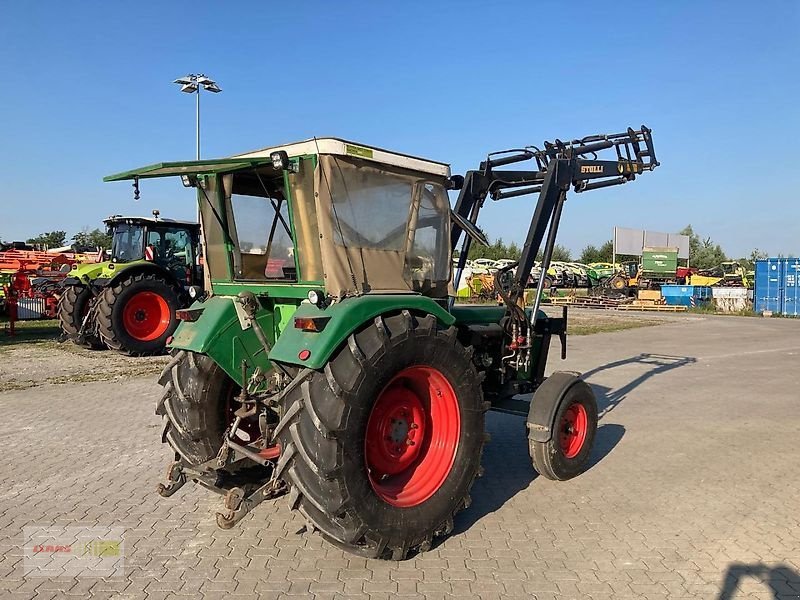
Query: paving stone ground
pixel 692 493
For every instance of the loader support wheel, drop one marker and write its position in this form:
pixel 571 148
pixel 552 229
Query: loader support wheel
pixel 195 403
pixel 381 447
pixel 566 453
pixel 137 314
pixel 73 305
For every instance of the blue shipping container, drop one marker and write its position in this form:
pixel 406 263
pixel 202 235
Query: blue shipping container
pixel 777 286
pixel 685 295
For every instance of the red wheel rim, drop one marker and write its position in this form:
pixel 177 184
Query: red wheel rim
pixel 573 428
pixel 412 436
pixel 146 316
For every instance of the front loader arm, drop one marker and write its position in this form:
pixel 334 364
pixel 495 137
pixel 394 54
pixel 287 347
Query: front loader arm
pixel 560 165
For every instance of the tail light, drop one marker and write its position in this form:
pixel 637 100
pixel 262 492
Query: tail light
pixel 188 314
pixel 313 324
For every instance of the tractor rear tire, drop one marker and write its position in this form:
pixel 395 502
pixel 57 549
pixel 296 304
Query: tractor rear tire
pixel 381 447
pixel 567 452
pixel 197 393
pixel 74 303
pixel 136 314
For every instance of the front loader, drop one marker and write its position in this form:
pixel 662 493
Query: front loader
pixel 330 360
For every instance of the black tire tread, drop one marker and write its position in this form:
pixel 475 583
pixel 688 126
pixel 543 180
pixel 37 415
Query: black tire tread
pixel 105 308
pixel 71 321
pixel 318 405
pixel 545 456
pixel 190 429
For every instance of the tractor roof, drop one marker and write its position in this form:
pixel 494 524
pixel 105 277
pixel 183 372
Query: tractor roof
pixel 331 146
pixel 337 146
pixel 113 219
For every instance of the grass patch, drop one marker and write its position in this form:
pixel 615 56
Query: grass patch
pixel 608 326
pixel 46 331
pixel 708 309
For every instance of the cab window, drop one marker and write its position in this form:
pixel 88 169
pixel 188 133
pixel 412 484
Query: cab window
pixel 172 249
pixel 260 226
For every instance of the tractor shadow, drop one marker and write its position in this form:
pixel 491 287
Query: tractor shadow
pixel 507 464
pixel 782 581
pixel 609 398
pixel 508 469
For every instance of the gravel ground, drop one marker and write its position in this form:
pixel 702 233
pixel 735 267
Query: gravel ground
pixel 691 490
pixel 36 357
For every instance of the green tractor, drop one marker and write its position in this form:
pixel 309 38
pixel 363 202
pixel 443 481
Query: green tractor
pixel 329 360
pixel 128 303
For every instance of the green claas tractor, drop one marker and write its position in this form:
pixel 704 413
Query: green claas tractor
pixel 329 360
pixel 128 303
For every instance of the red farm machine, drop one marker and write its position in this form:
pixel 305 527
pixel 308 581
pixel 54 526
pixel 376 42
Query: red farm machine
pixel 30 282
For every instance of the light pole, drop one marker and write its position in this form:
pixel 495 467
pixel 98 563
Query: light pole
pixel 191 84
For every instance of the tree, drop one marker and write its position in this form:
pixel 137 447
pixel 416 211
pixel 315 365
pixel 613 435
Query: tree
pixel 749 263
pixel 703 253
pixel 51 239
pixel 607 252
pixel 593 254
pixel 562 253
pixel 498 250
pixel 92 240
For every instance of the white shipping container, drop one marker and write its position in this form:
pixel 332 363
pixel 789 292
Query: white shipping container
pixel 730 299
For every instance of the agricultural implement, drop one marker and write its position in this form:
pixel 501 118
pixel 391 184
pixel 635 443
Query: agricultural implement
pixel 128 303
pixel 29 281
pixel 330 361
pixel 728 273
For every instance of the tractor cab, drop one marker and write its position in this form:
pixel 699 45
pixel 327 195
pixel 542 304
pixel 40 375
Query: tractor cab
pixel 329 215
pixel 630 268
pixel 170 244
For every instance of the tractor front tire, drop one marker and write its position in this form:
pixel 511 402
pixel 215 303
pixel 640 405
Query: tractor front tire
pixel 380 448
pixel 136 314
pixel 566 454
pixel 74 303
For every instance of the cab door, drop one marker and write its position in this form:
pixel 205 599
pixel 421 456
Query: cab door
pixel 172 249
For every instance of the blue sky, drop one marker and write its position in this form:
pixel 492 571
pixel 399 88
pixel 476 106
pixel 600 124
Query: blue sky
pixel 86 91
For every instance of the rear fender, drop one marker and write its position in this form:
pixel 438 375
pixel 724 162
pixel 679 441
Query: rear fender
pixel 314 349
pixel 218 333
pixel 545 403
pixel 120 270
